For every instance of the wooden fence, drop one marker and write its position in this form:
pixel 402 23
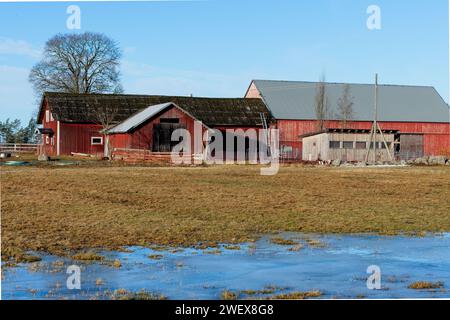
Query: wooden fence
pixel 139 155
pixel 19 147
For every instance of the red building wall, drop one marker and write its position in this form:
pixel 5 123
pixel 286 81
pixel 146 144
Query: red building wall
pixel 49 142
pixel 72 137
pixel 142 137
pixel 436 135
pixel 76 137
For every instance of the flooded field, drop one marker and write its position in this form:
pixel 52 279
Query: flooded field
pixel 333 266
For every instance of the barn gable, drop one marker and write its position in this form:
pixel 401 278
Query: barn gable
pixel 141 117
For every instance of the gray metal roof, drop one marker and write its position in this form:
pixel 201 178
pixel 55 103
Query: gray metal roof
pixel 291 100
pixel 139 118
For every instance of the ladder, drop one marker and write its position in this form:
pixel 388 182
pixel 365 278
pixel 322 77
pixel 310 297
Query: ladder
pixel 262 116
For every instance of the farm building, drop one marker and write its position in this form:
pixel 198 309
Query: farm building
pixel 418 114
pixel 416 117
pixel 346 145
pixel 71 121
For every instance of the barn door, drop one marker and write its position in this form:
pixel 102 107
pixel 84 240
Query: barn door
pixel 411 146
pixel 162 134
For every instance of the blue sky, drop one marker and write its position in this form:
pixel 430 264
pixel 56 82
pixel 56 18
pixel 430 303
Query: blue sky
pixel 215 48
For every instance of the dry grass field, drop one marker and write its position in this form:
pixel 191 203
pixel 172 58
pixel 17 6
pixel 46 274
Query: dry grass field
pixel 73 208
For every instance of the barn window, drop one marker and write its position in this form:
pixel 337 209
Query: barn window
pixel 286 149
pixel 96 140
pixel 47 115
pixel 335 144
pixel 47 140
pixel 378 145
pixel 382 146
pixel 169 120
pixel 348 144
pixel 360 144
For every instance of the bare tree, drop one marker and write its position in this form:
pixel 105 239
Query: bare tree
pixel 321 106
pixel 345 112
pixel 78 63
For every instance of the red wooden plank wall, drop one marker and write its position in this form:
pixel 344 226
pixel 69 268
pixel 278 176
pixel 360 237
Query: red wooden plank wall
pixel 436 135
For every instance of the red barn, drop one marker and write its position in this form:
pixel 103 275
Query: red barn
pixel 418 114
pixel 142 122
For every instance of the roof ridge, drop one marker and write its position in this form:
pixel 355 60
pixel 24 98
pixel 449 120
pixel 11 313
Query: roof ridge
pixel 72 107
pixel 118 95
pixel 347 83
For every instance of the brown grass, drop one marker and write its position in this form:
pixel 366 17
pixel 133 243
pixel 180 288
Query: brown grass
pixel 117 264
pixel 228 295
pixel 256 292
pixel 87 256
pixel 315 243
pixel 122 294
pixel 155 256
pixel 297 295
pixel 422 285
pixel 232 247
pixel 56 209
pixel 283 242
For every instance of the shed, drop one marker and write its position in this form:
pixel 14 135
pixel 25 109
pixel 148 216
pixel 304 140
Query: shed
pixel 345 145
pixel 151 128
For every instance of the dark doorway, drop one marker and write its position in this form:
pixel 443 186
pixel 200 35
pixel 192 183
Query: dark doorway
pixel 162 136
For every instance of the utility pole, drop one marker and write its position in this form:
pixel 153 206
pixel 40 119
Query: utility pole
pixel 375 128
pixel 375 118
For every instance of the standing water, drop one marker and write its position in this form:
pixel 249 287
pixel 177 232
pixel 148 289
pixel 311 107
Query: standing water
pixel 334 265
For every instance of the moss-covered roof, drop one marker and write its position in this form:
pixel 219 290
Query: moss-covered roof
pixel 79 108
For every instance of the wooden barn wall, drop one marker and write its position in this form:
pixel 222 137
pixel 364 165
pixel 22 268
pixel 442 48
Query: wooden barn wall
pixel 120 140
pixel 437 144
pixel 142 138
pixel 436 135
pixel 49 149
pixel 75 137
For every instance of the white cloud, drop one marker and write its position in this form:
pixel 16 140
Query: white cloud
pixel 18 47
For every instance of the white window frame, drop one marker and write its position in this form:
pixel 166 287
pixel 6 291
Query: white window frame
pixel 47 116
pixel 47 140
pixel 96 143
